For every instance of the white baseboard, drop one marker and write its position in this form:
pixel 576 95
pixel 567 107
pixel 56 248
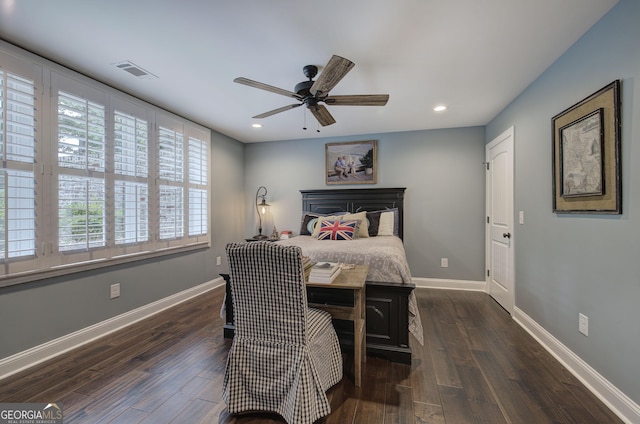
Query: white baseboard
pixel 30 357
pixel 436 283
pixel 617 401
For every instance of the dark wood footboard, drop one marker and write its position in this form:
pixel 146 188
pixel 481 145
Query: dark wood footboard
pixel 387 317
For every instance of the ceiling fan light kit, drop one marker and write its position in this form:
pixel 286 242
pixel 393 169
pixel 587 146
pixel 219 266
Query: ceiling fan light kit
pixel 311 93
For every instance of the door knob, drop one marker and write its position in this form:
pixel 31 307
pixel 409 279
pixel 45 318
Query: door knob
pixel 506 235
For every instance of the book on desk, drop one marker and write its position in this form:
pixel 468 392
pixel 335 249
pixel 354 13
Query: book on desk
pixel 324 272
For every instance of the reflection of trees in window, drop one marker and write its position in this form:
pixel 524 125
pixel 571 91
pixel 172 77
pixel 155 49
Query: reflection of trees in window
pixel 81 133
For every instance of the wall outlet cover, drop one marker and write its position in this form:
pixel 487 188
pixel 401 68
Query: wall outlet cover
pixel 583 324
pixel 114 290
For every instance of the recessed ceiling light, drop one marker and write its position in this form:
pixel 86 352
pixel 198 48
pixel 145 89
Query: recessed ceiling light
pixel 256 125
pixel 440 108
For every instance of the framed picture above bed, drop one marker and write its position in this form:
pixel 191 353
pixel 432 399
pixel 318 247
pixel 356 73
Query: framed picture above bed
pixel 353 162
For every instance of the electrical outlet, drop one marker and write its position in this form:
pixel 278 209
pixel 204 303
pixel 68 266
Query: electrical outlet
pixel 583 324
pixel 218 261
pixel 114 290
pixel 444 262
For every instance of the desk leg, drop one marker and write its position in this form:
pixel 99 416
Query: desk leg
pixel 359 334
pixel 363 307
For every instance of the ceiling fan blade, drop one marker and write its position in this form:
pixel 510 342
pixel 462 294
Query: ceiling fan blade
pixel 274 111
pixel 267 87
pixel 322 115
pixel 358 100
pixel 333 72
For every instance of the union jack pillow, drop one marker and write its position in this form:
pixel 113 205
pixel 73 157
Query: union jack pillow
pixel 339 230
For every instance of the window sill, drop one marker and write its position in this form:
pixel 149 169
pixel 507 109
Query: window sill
pixel 27 277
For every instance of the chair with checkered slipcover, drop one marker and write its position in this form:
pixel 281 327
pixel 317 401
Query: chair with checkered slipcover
pixel 284 355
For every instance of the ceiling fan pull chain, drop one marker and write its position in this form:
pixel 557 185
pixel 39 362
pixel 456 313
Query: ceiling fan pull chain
pixel 305 119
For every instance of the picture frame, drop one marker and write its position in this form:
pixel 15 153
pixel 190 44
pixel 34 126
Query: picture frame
pixel 586 155
pixel 354 162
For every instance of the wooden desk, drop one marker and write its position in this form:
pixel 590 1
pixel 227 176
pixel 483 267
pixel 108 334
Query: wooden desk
pixel 352 279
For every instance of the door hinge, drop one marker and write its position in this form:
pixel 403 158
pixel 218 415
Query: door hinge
pixel 488 273
pixel 488 220
pixel 487 165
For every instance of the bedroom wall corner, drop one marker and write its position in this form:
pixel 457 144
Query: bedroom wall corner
pixel 227 197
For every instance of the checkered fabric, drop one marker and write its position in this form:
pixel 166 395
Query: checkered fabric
pixel 284 355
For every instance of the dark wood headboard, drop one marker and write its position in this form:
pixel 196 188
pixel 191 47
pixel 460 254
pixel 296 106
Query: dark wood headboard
pixel 355 200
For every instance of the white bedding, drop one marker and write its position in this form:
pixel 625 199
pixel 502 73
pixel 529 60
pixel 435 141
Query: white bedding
pixel 385 256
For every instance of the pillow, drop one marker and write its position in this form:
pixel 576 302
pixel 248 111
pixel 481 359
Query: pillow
pixel 309 225
pixel 336 229
pixel 373 221
pixel 309 222
pixel 386 227
pixel 362 216
pixel 373 218
pixel 322 218
pixel 364 226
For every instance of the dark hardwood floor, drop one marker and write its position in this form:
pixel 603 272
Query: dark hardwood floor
pixel 477 366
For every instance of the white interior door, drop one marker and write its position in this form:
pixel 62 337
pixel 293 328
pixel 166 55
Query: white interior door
pixel 500 241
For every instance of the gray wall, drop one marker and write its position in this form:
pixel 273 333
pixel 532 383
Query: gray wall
pixel 37 312
pixel 441 169
pixel 570 264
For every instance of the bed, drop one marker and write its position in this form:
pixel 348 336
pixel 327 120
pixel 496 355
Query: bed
pixel 392 312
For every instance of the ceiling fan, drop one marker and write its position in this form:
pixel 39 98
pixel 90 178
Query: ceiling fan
pixel 312 93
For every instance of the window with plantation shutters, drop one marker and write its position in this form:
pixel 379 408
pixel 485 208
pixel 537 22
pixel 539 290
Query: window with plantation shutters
pixel 17 213
pixel 198 154
pixel 197 212
pixel 198 177
pixel 171 212
pixel 91 177
pixel 17 147
pixel 131 212
pixel 81 213
pixel 131 145
pixel 131 188
pixel 81 153
pixel 81 133
pixel 17 118
pixel 171 155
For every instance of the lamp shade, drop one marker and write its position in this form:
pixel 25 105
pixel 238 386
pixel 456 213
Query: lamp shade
pixel 262 207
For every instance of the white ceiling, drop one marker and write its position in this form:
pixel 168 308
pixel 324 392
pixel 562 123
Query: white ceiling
pixel 473 56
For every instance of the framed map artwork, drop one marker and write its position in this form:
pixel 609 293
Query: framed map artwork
pixel 581 144
pixel 586 155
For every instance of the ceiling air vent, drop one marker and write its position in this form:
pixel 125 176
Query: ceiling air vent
pixel 135 70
